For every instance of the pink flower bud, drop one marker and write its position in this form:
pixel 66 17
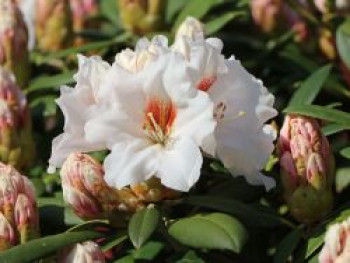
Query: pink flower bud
pixel 16 142
pixel 142 16
pixel 17 205
pixel 53 24
pixel 7 234
pixel 337 244
pixel 306 168
pixel 266 13
pixel 13 42
pixel 86 252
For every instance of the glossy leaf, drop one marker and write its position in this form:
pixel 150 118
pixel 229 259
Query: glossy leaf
pixel 142 225
pixel 310 88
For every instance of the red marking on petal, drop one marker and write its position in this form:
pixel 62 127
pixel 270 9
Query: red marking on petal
pixel 206 83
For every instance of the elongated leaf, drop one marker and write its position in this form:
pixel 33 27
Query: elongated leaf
pixel 320 112
pixel 342 179
pixel 287 246
pixel 109 9
pixel 197 9
pixel 308 91
pixel 246 213
pixel 345 152
pixel 42 247
pixel 343 42
pixel 142 225
pixel 50 81
pixel 173 7
pixel 213 231
pixel 333 128
pixel 216 24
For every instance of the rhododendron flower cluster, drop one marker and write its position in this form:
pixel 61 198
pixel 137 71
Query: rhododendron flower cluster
pixel 159 109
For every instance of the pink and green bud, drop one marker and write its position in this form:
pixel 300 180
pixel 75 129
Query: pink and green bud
pixel 306 168
pixel 13 42
pixel 85 252
pixel 16 142
pixel 83 11
pixel 19 217
pixel 336 248
pixel 53 24
pixel 142 16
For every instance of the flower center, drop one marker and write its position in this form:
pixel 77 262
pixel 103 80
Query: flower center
pixel 206 83
pixel 159 118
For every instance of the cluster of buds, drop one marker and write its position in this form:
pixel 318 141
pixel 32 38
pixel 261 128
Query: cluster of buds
pixel 16 142
pixel 13 42
pixel 307 168
pixel 53 24
pixel 82 13
pixel 19 221
pixel 337 244
pixel 142 16
pixel 85 252
pixel 85 190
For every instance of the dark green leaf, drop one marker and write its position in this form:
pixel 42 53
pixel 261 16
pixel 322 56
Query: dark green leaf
pixel 126 259
pixel 142 225
pixel 345 152
pixel 197 9
pixel 343 42
pixel 321 112
pixel 213 231
pixel 287 246
pixel 342 179
pixel 42 247
pixel 216 24
pixel 191 257
pixel 308 91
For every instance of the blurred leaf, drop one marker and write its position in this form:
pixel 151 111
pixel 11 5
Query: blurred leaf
pixel 142 225
pixel 109 9
pixel 56 81
pixel 173 7
pixel 191 257
pixel 126 259
pixel 246 213
pixel 343 42
pixel 287 245
pixel 39 186
pixel 218 23
pixel 345 152
pixel 196 9
pixel 333 128
pixel 148 251
pixel 321 112
pixel 114 242
pixel 213 231
pixel 39 248
pixel 70 218
pixel 342 179
pixel 310 88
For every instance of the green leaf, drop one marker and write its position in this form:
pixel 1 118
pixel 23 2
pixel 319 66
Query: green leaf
pixel 321 112
pixel 142 225
pixel 287 246
pixel 109 9
pixel 342 179
pixel 333 128
pixel 310 88
pixel 114 242
pixel 173 7
pixel 42 247
pixel 149 251
pixel 191 257
pixel 213 231
pixel 43 82
pixel 345 152
pixel 126 259
pixel 246 213
pixel 343 42
pixel 196 9
pixel 216 24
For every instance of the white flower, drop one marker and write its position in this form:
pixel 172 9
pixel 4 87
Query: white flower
pixel 78 106
pixel 155 126
pixel 337 244
pixel 86 252
pixel 242 105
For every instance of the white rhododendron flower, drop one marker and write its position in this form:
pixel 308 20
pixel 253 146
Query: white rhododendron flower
pixel 337 244
pixel 155 126
pixel 241 139
pixel 78 106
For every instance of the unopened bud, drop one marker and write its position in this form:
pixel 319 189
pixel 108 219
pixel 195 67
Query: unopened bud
pixel 53 24
pixel 336 248
pixel 13 42
pixel 7 234
pixel 142 16
pixel 326 43
pixel 266 14
pixel 86 252
pixel 16 142
pixel 306 168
